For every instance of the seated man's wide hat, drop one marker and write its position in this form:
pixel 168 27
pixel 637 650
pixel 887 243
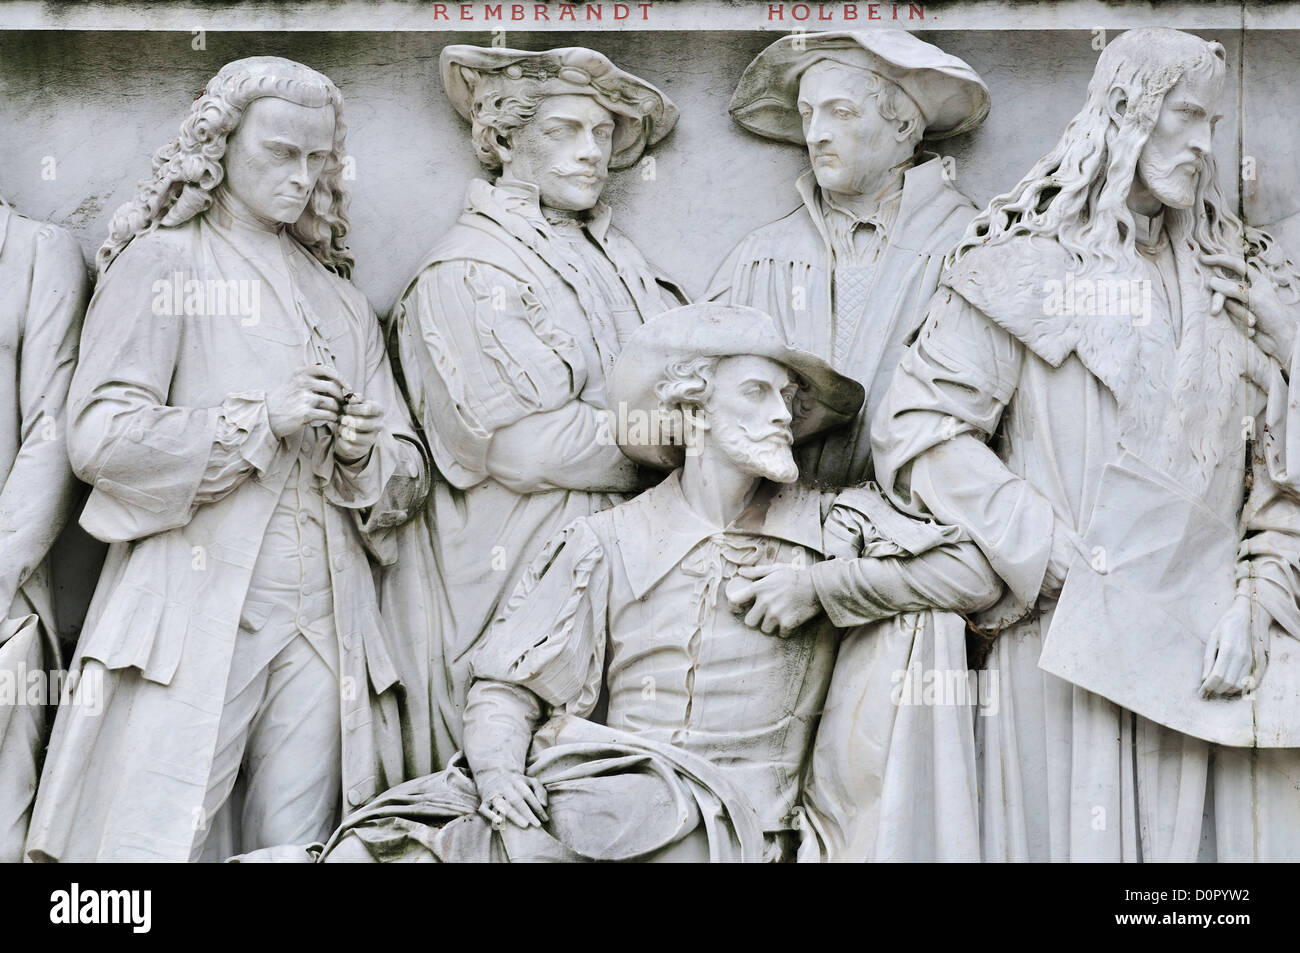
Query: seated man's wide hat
pixel 951 96
pixel 643 114
pixel 826 398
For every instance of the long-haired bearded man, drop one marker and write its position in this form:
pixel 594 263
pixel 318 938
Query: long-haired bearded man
pixel 239 424
pixel 1088 400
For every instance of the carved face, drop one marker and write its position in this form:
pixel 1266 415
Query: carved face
pixel 275 156
pixel 1172 157
pixel 748 416
pixel 564 151
pixel 850 144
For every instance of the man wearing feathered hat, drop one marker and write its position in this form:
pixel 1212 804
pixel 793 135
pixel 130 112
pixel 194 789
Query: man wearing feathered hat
pixel 627 705
pixel 848 274
pixel 506 333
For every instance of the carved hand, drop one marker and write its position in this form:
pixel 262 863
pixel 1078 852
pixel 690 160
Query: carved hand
pixel 360 425
pixel 311 396
pixel 1253 302
pixel 784 598
pixel 511 796
pixel 1058 563
pixel 1231 652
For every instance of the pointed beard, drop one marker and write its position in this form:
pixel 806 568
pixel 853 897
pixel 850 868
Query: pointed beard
pixel 762 458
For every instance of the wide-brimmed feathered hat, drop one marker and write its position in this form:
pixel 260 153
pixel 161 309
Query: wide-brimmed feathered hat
pixel 643 115
pixel 826 397
pixel 951 96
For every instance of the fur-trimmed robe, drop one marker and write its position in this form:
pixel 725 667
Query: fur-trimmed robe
pixel 1059 397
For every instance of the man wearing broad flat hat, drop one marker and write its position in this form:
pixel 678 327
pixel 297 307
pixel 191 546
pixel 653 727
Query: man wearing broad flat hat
pixel 629 703
pixel 848 275
pixel 505 335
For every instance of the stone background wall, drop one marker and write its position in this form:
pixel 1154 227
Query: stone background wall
pixel 98 104
pixel 82 111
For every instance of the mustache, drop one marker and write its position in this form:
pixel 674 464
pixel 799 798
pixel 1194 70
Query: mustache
pixel 1167 166
pixel 782 434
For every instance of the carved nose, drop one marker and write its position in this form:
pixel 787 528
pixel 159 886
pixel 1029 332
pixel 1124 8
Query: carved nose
pixel 588 151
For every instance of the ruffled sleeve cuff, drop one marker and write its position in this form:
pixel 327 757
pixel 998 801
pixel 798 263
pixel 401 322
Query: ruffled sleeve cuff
pixel 244 430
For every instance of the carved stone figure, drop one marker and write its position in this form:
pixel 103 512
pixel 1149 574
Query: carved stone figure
pixel 504 338
pixel 627 705
pixel 1085 402
pixel 848 274
pixel 43 290
pixel 239 424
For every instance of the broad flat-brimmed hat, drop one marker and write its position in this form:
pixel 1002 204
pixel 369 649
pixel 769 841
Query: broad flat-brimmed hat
pixel 643 115
pixel 951 96
pixel 826 397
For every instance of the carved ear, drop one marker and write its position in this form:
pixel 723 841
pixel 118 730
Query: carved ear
pixel 1117 104
pixel 909 129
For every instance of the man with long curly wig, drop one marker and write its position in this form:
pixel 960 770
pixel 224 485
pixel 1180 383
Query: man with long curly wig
pixel 246 446
pixel 1090 399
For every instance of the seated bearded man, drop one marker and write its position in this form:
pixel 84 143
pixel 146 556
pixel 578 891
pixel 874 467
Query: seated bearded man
pixel 624 705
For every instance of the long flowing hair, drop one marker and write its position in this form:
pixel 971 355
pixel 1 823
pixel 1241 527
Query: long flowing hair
pixel 188 169
pixel 1078 192
pixel 1077 195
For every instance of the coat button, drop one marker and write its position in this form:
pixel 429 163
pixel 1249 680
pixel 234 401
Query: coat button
pixel 355 799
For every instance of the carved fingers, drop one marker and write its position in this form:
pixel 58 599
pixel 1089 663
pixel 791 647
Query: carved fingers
pixel 1230 654
pixel 783 599
pixel 311 396
pixel 510 796
pixel 1253 302
pixel 360 425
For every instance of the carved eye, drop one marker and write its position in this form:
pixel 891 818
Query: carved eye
pixel 843 112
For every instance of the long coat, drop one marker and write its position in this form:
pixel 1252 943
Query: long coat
pixel 504 335
pixel 872 755
pixel 131 752
pixel 43 291
pixel 1069 403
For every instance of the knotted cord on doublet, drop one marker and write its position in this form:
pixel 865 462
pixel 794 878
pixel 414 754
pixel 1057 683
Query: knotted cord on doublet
pixel 715 563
